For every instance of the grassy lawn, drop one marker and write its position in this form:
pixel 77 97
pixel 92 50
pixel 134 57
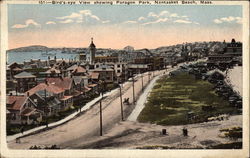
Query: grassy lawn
pixel 172 98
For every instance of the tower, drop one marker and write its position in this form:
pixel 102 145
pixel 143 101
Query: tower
pixel 92 50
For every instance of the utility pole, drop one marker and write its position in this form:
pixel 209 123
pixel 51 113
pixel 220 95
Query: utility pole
pixel 101 91
pixel 148 76
pixel 101 117
pixel 142 82
pixel 121 102
pixel 133 90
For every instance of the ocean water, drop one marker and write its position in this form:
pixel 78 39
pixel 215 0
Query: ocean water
pixel 20 57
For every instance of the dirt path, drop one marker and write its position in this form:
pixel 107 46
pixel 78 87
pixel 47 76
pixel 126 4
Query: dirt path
pixel 131 135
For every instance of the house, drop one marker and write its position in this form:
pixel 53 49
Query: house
pixel 94 76
pixel 53 72
pixel 105 73
pixel 137 69
pixel 79 71
pixel 35 63
pixel 65 83
pixel 54 96
pixel 25 81
pixel 76 70
pixel 48 92
pixel 78 82
pixel 22 110
pixel 120 68
pixel 12 70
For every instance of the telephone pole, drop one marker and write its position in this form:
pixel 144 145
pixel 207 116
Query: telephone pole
pixel 121 102
pixel 101 117
pixel 142 82
pixel 101 92
pixel 133 90
pixel 148 76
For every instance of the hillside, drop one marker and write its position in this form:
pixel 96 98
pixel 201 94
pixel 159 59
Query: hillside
pixel 34 48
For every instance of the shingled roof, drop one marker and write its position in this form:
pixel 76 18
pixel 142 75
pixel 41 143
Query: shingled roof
pixel 53 70
pixel 79 69
pixel 48 87
pixel 63 83
pixel 16 102
pixel 24 74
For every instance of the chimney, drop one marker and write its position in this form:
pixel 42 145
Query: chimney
pixel 10 94
pixel 46 82
pixel 28 94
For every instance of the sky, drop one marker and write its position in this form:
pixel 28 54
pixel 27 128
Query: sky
pixel 117 26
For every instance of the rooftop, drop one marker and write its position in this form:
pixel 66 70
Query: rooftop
pixel 48 87
pixel 63 83
pixel 16 102
pixel 24 74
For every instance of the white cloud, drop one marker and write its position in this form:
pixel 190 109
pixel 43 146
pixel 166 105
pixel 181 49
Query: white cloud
pixel 71 16
pixel 141 18
pixel 18 26
pixel 85 12
pixel 174 15
pixel 50 22
pixel 217 21
pixel 152 14
pixel 106 21
pixel 66 21
pixel 81 16
pixel 130 22
pixel 162 17
pixel 157 21
pixel 182 21
pixel 27 23
pixel 230 19
pixel 95 17
pixel 164 13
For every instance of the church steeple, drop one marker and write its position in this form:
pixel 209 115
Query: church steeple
pixel 92 51
pixel 92 43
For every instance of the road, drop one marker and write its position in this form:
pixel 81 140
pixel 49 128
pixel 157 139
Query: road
pixel 86 126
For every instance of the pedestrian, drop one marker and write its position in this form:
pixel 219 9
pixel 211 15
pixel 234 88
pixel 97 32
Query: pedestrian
pixel 185 132
pixel 22 130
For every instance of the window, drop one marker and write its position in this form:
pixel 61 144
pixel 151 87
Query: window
pixel 118 65
pixel 118 71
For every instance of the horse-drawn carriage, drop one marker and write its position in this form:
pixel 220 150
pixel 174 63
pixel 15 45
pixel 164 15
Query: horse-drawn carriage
pixel 126 101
